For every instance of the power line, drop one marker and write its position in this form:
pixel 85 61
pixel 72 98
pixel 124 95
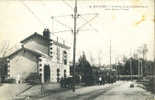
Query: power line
pixel 88 14
pixel 68 4
pixel 30 10
pixel 63 16
pixel 62 23
pixel 89 24
pixel 62 31
pixel 55 19
pixel 87 21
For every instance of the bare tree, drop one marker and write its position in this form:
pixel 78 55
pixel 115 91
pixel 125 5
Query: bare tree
pixel 143 50
pixel 91 59
pixel 6 48
pixel 99 57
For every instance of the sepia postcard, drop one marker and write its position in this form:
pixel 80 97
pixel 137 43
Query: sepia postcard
pixel 77 50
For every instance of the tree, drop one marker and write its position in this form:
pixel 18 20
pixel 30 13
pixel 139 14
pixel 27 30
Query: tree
pixel 143 50
pixel 84 69
pixel 3 69
pixel 99 58
pixel 5 50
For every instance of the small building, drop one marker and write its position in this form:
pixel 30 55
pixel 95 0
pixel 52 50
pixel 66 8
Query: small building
pixel 3 69
pixel 40 54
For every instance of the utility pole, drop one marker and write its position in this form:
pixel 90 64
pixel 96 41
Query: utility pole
pixel 131 68
pixel 153 73
pixel 75 30
pixel 110 54
pixel 139 69
pixel 116 62
pixel 141 63
pixel 74 43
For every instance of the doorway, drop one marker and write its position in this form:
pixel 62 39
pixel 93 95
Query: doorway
pixel 47 73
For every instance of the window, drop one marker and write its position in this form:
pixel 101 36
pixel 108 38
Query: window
pixel 58 54
pixel 65 73
pixel 65 57
pixel 58 75
pixel 40 76
pixel 40 59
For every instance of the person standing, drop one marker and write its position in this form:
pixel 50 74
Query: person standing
pixel 100 80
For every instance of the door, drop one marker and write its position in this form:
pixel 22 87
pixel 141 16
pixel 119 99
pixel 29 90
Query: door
pixel 46 73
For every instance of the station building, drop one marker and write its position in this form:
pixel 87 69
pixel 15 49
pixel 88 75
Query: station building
pixel 40 54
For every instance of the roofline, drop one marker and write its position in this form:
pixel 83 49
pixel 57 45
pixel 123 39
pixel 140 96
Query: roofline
pixel 46 39
pixel 26 49
pixel 35 34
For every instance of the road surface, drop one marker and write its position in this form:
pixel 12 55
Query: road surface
pixel 118 91
pixel 124 92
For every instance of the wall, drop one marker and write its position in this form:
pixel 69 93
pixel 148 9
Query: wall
pixel 36 44
pixel 22 65
pixel 55 64
pixel 58 63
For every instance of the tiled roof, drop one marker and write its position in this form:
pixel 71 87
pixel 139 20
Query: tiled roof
pixel 25 49
pixel 35 35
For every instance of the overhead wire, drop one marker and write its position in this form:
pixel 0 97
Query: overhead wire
pixel 63 31
pixel 32 12
pixel 55 19
pixel 68 5
pixel 62 23
pixel 89 24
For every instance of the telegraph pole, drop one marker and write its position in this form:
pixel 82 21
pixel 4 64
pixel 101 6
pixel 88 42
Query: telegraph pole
pixel 74 42
pixel 110 54
pixel 75 31
pixel 131 68
pixel 139 69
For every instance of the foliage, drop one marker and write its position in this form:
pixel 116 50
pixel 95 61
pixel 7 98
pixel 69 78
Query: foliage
pixel 124 68
pixel 33 79
pixel 84 69
pixel 3 69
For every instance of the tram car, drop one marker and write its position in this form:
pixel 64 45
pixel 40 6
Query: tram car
pixel 98 76
pixel 108 75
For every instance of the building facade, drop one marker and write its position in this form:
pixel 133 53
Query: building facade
pixel 40 54
pixel 3 69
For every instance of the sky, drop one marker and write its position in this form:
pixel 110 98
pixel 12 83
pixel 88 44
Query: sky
pixel 127 23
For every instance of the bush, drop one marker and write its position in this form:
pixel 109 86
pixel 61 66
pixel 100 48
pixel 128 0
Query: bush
pixel 33 79
pixel 89 80
pixel 11 80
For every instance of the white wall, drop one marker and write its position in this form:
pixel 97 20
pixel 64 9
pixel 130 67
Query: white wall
pixel 22 64
pixel 38 45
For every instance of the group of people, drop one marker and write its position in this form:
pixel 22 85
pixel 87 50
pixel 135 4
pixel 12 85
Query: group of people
pixel 66 82
pixel 100 80
pixel 108 79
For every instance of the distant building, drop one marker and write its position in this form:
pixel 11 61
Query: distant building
pixel 40 54
pixel 3 69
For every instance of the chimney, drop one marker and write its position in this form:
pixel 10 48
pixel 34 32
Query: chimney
pixel 46 33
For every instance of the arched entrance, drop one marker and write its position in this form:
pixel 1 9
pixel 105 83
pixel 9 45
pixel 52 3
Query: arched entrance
pixel 46 73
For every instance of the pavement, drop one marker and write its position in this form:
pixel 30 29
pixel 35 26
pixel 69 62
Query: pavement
pixel 9 91
pixel 117 91
pixel 81 93
pixel 124 92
